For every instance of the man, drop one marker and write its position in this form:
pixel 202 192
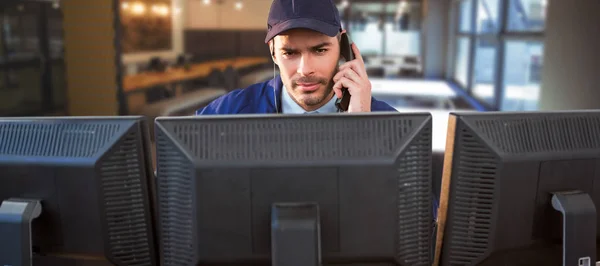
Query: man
pixel 304 39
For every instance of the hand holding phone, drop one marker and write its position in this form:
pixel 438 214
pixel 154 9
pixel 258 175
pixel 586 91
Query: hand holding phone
pixel 351 83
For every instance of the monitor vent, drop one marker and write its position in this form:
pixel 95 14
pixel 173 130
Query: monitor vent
pixel 473 198
pixel 294 139
pixel 176 206
pixel 543 134
pixel 125 210
pixel 24 138
pixel 415 215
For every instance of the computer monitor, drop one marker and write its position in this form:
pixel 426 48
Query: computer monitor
pixel 75 189
pixel 518 184
pixel 273 189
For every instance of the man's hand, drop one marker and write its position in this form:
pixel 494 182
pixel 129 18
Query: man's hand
pixel 353 76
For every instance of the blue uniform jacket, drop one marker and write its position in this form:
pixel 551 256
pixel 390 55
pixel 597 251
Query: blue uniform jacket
pixel 261 98
pixel 265 97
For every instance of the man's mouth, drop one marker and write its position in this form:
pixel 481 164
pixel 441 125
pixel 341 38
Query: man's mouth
pixel 308 87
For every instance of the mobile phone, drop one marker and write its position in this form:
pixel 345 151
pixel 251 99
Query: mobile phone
pixel 346 52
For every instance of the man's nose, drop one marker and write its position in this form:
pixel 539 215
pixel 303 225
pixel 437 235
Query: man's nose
pixel 305 67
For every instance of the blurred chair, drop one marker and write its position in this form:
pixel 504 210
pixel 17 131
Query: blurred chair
pixel 232 78
pixel 156 65
pixel 376 72
pixel 181 60
pixel 405 72
pixel 411 60
pixel 157 93
pixel 257 76
pixel 411 67
pixel 216 79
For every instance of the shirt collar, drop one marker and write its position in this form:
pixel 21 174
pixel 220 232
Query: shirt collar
pixel 289 106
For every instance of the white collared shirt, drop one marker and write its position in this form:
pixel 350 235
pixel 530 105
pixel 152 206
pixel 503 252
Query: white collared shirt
pixel 289 106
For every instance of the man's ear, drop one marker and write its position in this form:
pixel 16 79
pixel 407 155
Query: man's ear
pixel 272 50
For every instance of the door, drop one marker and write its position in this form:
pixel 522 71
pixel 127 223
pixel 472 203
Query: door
pixel 32 79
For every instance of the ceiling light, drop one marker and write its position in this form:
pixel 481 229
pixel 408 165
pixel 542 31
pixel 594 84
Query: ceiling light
pixel 345 4
pixel 138 8
pixel 239 5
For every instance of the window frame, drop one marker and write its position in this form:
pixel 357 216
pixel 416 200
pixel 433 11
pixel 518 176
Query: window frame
pixel 501 36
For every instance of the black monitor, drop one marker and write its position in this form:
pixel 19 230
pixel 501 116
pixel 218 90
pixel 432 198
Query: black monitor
pixel 295 189
pixel 75 191
pixel 518 184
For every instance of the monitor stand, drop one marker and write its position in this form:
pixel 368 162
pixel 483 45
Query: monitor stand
pixel 16 216
pixel 295 234
pixel 579 227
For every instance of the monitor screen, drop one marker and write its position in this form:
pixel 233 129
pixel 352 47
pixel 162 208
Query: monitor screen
pixel 516 185
pixel 351 188
pixel 82 183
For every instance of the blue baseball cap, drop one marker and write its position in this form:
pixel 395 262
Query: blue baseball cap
pixel 318 15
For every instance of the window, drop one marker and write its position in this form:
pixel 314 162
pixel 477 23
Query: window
pixel 499 51
pixel 365 29
pixel 487 16
pixel 31 58
pixel 461 74
pixel 527 15
pixel 463 43
pixel 388 34
pixel 522 75
pixel 402 31
pixel 484 72
pixel 466 12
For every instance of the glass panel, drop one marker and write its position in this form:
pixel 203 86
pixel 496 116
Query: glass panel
pixel 402 29
pixel 21 92
pixel 55 31
pixel 57 66
pixel 462 61
pixel 522 75
pixel 484 73
pixel 20 29
pixel 527 15
pixel 487 16
pixel 21 84
pixel 466 13
pixel 366 27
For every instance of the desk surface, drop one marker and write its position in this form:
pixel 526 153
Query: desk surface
pixel 427 88
pixel 148 79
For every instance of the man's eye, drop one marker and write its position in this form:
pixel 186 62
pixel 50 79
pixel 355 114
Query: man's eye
pixel 320 51
pixel 288 53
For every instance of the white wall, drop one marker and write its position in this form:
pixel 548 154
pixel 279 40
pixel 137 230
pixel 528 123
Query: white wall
pixel 253 14
pixel 435 38
pixel 177 33
pixel 570 77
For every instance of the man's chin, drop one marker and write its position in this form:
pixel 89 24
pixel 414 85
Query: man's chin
pixel 312 101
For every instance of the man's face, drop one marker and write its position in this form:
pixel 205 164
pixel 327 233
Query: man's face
pixel 307 61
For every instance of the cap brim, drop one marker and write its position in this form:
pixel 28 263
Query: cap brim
pixel 303 23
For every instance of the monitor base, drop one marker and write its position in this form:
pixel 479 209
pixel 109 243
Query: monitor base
pixel 579 227
pixel 295 234
pixel 16 216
